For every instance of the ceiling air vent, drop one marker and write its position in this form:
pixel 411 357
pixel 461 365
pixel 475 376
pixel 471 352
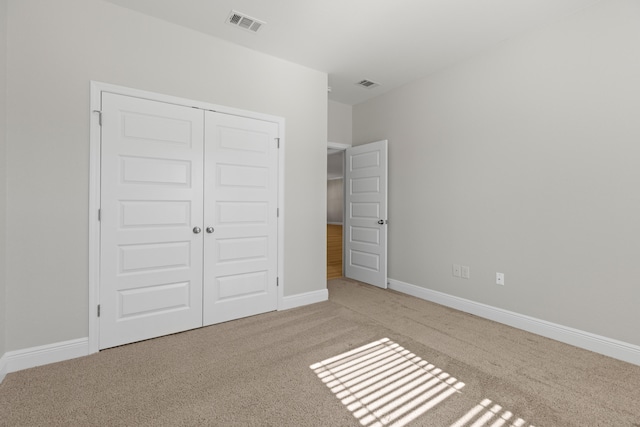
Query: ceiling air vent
pixel 245 22
pixel 368 84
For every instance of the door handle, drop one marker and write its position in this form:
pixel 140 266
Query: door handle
pixel 209 230
pixel 381 221
pixel 197 230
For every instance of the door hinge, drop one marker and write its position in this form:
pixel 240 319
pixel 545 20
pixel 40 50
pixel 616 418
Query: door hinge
pixel 278 141
pixel 99 116
pixel 277 281
pixel 98 310
pixel 99 214
pixel 278 212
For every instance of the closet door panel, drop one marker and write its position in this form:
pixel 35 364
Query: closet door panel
pixel 240 196
pixel 151 199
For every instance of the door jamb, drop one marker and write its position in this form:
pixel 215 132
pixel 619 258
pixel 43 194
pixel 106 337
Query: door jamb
pixel 94 187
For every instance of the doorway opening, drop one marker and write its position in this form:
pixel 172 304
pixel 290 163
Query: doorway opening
pixel 364 213
pixel 335 211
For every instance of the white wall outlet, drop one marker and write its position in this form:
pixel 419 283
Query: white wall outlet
pixel 500 279
pixel 456 270
pixel 465 272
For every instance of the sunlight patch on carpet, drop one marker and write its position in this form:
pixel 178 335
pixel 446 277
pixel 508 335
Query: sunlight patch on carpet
pixel 490 414
pixel 382 383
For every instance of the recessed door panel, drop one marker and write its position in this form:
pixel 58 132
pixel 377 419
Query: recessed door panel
pixel 243 285
pixel 365 185
pixel 243 249
pixel 154 257
pixel 228 213
pixel 153 300
pixel 238 176
pixel 366 235
pixel 151 198
pixel 365 210
pixel 364 160
pixel 243 140
pixel 158 172
pixel 155 213
pixel 365 260
pixel 156 129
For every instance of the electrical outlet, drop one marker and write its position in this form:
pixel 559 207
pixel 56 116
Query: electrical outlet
pixel 456 270
pixel 465 272
pixel 500 279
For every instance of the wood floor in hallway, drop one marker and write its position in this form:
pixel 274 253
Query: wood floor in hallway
pixel 334 251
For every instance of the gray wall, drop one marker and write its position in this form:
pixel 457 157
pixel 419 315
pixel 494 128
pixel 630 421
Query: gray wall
pixel 335 201
pixel 524 160
pixel 54 49
pixel 340 122
pixel 3 170
pixel 339 129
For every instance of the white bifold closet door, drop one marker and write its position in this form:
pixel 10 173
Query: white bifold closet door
pixel 240 196
pixel 188 218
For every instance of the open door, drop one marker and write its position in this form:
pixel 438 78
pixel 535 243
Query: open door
pixel 366 213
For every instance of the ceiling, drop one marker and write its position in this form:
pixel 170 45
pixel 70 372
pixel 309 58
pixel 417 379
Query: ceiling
pixel 390 42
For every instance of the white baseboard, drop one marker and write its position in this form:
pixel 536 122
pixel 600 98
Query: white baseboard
pixel 307 298
pixel 596 343
pixel 45 354
pixel 57 352
pixel 3 367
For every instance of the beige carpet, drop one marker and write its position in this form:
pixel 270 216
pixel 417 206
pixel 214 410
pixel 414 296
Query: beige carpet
pixel 366 357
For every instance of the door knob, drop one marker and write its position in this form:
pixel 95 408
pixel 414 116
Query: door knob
pixel 381 221
pixel 196 230
pixel 209 230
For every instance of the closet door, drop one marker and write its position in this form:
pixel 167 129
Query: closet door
pixel 241 191
pixel 151 211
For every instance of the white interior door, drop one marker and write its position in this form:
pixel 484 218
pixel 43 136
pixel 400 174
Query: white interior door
pixel 366 213
pixel 241 199
pixel 151 200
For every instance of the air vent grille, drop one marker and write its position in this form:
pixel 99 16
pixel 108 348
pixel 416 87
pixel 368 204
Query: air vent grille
pixel 368 84
pixel 245 22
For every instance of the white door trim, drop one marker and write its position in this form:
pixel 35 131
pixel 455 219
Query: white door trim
pixel 337 145
pixel 94 187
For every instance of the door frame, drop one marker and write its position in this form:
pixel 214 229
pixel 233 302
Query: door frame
pixel 96 89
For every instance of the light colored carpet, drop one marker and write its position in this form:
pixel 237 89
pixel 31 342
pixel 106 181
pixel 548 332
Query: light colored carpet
pixel 366 357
